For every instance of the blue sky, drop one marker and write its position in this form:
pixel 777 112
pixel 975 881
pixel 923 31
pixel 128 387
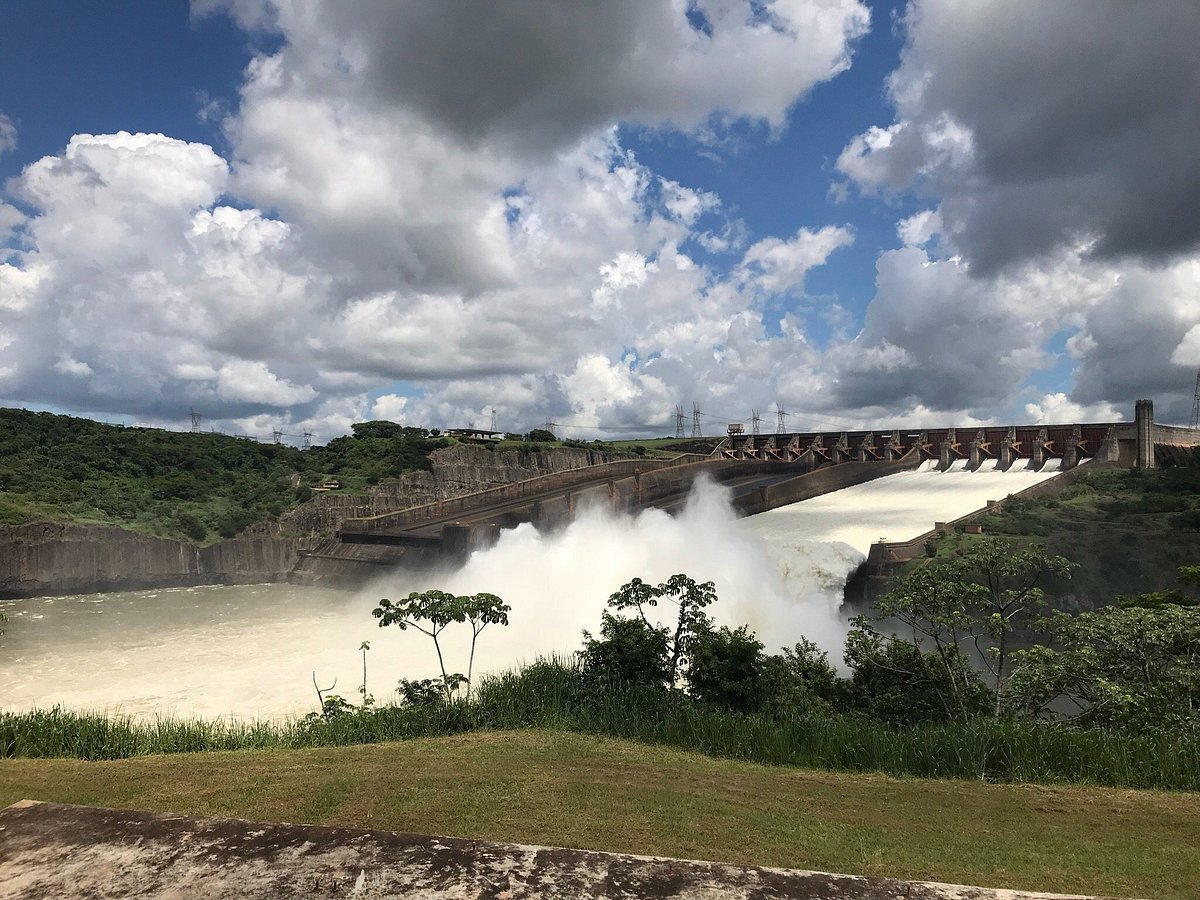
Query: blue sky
pixel 869 213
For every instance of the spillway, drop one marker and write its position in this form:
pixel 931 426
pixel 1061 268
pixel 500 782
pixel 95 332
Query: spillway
pixel 250 651
pixel 894 508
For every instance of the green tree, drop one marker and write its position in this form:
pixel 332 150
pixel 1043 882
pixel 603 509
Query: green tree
pixel 896 681
pixel 628 651
pixel 541 435
pixel 691 598
pixel 480 611
pixel 727 669
pixel 1134 666
pixel 801 681
pixel 377 428
pixel 977 597
pixel 431 612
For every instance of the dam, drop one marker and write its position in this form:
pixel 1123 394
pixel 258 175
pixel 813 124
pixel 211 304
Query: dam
pixel 779 543
pixel 761 473
pixel 251 651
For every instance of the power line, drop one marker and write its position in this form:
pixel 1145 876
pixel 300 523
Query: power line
pixel 1196 403
pixel 635 426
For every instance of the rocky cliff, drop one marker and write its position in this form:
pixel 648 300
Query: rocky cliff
pixel 461 469
pixel 43 558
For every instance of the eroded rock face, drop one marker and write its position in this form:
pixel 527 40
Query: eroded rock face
pixel 458 470
pixel 45 558
pixel 42 558
pixel 52 850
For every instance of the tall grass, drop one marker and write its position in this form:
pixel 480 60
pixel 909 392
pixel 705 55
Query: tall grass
pixel 552 695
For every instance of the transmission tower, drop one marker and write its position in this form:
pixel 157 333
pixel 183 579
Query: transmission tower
pixel 493 418
pixel 755 423
pixel 696 432
pixel 196 417
pixel 678 421
pixel 1196 403
pixel 780 415
pixel 278 436
pixel 308 436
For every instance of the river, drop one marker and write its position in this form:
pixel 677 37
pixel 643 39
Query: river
pixel 250 652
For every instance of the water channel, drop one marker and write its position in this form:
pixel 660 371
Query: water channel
pixel 250 651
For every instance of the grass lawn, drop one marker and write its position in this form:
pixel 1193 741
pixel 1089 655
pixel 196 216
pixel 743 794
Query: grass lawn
pixel 572 790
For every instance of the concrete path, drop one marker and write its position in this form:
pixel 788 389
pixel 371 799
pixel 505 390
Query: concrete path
pixel 50 850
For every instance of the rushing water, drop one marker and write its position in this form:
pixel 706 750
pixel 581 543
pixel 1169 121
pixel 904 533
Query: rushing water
pixel 251 652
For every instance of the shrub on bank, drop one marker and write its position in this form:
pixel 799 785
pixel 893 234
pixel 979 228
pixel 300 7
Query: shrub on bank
pixel 555 694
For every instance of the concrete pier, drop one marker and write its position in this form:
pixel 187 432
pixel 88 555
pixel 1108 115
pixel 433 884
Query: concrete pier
pixel 1143 422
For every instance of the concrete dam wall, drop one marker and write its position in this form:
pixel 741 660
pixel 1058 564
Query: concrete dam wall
pixel 454 471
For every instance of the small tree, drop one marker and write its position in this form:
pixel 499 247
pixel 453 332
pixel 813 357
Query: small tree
pixel 482 610
pixel 896 681
pixel 801 681
pixel 691 597
pixel 367 699
pixel 629 651
pixel 431 612
pixel 1127 667
pixel 979 597
pixel 727 668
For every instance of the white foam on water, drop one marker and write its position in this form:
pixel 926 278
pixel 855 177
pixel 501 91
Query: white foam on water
pixel 250 651
pixel 895 508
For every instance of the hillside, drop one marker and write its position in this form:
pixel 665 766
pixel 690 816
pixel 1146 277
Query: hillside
pixel 1127 530
pixel 194 486
pixel 202 487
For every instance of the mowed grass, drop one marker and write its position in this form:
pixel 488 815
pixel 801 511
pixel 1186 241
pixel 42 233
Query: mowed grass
pixel 565 789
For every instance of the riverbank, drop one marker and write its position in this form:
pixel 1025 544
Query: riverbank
pixel 551 695
pixel 550 787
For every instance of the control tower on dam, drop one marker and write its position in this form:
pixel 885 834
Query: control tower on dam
pixel 762 472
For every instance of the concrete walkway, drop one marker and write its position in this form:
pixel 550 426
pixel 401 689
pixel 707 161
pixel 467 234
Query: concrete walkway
pixel 50 850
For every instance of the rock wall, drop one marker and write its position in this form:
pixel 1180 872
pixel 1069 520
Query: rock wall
pixel 458 470
pixel 46 558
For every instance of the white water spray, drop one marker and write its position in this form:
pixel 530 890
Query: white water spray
pixel 250 651
pixel 558 583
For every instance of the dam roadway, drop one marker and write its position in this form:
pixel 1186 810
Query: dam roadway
pixel 508 513
pixel 445 532
pixel 763 472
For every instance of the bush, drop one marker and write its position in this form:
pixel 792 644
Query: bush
pixel 801 682
pixel 191 526
pixel 896 683
pixel 726 669
pixel 629 651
